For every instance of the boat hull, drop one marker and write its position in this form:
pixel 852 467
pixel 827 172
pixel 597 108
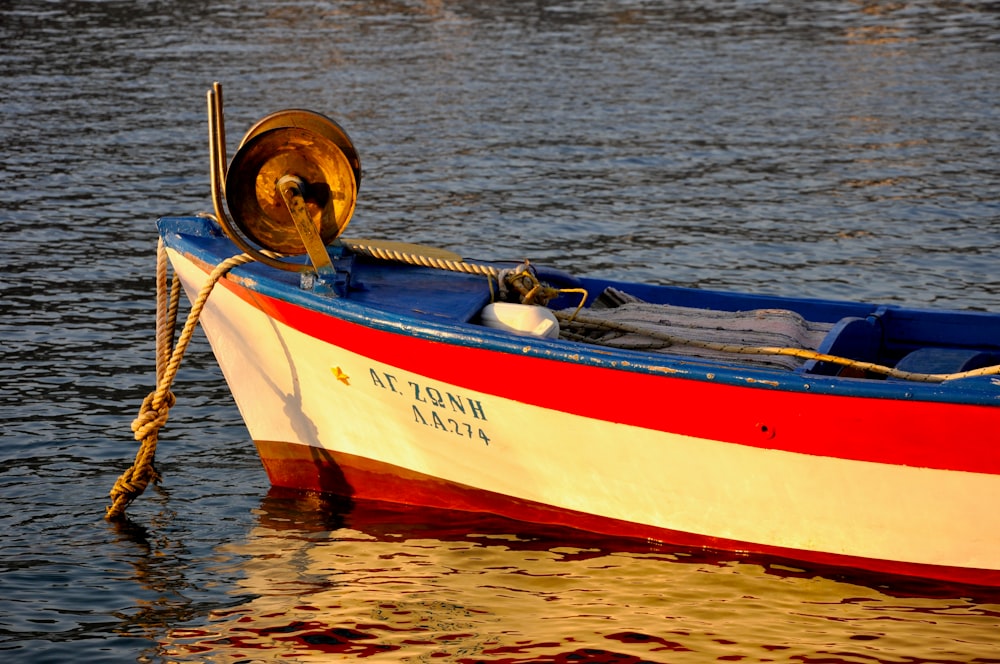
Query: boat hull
pixel 376 409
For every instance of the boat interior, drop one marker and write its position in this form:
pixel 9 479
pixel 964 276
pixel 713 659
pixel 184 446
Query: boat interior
pixel 907 339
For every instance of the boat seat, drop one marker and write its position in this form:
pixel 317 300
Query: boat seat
pixel 946 360
pixel 852 337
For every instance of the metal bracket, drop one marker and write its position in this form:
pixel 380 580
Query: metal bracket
pixel 293 191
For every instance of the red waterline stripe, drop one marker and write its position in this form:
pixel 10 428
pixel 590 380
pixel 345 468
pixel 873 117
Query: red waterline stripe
pixel 313 469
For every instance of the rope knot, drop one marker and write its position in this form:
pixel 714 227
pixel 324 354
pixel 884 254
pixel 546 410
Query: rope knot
pixel 521 284
pixel 156 406
pixel 150 419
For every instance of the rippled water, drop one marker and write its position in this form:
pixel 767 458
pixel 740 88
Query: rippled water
pixel 842 149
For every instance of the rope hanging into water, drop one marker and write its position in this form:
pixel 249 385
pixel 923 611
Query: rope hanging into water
pixel 156 406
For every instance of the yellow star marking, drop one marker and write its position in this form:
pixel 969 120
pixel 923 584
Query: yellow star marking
pixel 339 374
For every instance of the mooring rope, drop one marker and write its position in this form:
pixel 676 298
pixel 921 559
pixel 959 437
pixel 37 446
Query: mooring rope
pixel 520 279
pixel 387 254
pixel 156 406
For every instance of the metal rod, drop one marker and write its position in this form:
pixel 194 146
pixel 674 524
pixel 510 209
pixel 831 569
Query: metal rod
pixel 217 177
pixel 220 130
pixel 215 162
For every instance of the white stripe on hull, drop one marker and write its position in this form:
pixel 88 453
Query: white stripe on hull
pixel 287 389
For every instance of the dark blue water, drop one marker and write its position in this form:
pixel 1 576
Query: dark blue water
pixel 839 149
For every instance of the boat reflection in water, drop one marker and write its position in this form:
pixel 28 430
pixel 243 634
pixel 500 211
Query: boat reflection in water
pixel 331 578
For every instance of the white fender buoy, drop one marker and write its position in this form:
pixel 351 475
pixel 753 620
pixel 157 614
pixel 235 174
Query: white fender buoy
pixel 521 319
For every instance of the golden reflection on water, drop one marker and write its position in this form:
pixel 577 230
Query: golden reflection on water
pixel 401 584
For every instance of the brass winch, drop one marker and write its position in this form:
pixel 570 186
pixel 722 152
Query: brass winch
pixel 291 187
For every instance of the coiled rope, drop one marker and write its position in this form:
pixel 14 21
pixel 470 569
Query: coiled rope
pixel 156 406
pixel 575 325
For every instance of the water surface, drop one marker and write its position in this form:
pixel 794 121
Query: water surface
pixel 835 149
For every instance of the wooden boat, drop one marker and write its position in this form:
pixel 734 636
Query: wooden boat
pixel 853 434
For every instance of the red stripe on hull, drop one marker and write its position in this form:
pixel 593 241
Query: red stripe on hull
pixel 308 468
pixel 921 434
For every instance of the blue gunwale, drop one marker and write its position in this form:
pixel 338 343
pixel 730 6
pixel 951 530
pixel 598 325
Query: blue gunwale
pixel 391 300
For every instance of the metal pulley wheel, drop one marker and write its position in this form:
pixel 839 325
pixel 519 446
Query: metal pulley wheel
pixel 297 144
